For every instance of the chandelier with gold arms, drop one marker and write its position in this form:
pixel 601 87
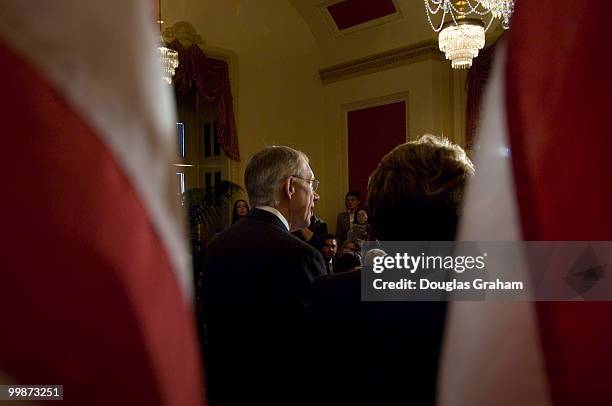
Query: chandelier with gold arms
pixel 168 57
pixel 462 34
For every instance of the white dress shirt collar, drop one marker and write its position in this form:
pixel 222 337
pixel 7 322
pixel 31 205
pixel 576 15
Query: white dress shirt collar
pixel 276 213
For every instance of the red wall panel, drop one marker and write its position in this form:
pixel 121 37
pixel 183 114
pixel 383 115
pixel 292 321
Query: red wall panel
pixel 372 132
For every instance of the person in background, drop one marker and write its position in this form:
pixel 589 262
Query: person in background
pixel 350 246
pixel 347 262
pixel 346 218
pixel 240 209
pixel 329 251
pixel 360 228
pixel 314 234
pixel 368 258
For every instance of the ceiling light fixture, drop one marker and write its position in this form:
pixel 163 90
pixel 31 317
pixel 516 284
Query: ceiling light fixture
pixel 462 34
pixel 168 57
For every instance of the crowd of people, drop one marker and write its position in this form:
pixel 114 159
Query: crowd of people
pixel 284 321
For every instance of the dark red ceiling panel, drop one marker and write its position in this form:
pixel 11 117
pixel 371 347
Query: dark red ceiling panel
pixel 349 13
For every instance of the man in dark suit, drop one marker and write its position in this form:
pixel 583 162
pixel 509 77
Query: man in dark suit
pixel 256 283
pixel 386 353
pixel 346 218
pixel 329 250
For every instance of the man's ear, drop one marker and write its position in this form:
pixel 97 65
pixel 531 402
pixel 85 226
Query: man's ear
pixel 288 187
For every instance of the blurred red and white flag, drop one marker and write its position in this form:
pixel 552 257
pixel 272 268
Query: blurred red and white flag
pixel 543 173
pixel 95 291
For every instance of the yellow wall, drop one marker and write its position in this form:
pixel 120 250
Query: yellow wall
pixel 279 97
pixel 430 88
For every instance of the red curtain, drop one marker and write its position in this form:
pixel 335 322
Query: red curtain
pixel 210 77
pixel 476 81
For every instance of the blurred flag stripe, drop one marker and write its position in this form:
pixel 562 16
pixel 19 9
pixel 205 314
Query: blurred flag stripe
pixel 549 98
pixel 105 66
pixel 90 292
pixel 491 352
pixel 558 100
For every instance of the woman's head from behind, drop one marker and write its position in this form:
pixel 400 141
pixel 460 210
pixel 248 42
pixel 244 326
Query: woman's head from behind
pixel 415 193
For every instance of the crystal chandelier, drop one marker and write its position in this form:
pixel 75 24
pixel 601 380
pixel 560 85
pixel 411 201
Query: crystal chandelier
pixel 461 41
pixel 168 57
pixel 169 61
pixel 501 9
pixel 462 35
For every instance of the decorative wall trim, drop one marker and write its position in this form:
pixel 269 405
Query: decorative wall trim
pixel 382 61
pixel 331 24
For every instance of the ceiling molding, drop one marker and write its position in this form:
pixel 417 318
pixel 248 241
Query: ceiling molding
pixel 382 61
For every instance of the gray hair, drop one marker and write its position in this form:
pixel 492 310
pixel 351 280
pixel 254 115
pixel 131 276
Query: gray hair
pixel 368 260
pixel 266 170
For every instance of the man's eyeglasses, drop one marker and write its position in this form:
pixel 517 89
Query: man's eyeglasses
pixel 314 184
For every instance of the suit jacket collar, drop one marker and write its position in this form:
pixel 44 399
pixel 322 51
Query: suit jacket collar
pixel 263 215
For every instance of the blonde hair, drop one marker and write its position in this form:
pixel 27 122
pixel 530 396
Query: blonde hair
pixel 418 185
